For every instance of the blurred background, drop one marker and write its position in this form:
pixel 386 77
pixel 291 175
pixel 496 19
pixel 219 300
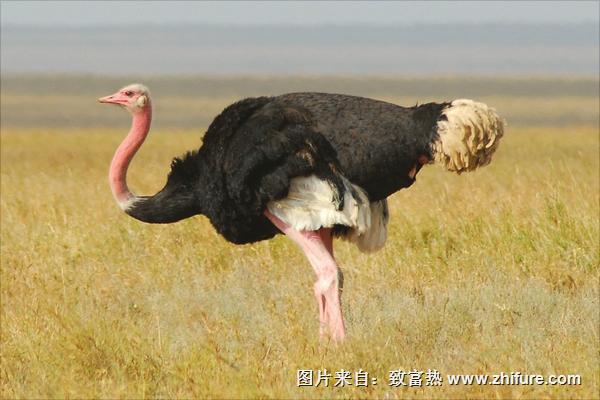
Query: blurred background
pixel 537 62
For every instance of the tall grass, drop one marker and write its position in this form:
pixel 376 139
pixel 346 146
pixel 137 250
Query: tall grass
pixel 493 271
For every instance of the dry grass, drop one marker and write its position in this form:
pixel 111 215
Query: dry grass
pixel 487 272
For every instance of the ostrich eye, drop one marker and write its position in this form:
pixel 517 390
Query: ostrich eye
pixel 129 93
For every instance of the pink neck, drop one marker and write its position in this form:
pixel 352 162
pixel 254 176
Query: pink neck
pixel 117 176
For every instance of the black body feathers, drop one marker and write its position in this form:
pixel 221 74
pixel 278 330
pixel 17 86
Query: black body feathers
pixel 255 146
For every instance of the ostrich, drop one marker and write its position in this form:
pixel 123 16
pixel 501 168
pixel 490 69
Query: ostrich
pixel 313 166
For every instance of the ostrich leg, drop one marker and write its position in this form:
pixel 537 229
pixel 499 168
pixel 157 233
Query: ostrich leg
pixel 327 238
pixel 317 246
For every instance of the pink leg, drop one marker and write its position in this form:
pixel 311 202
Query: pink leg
pixel 317 246
pixel 325 234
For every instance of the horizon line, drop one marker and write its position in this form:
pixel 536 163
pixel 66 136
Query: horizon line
pixel 259 76
pixel 188 24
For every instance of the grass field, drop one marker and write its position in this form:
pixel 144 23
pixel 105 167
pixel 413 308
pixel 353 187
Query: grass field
pixel 65 101
pixel 489 272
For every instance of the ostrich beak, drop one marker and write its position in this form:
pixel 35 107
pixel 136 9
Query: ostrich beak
pixel 116 98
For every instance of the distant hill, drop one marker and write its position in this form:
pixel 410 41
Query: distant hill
pixel 507 49
pixel 191 102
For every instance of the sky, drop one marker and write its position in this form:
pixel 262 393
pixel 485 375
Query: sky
pixel 292 37
pixel 80 13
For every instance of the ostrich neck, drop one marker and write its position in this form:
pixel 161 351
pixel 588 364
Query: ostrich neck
pixel 140 126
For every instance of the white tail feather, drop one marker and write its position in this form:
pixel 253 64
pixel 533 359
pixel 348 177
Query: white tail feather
pixel 375 236
pixel 310 205
pixel 467 136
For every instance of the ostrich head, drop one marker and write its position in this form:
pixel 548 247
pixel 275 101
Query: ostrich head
pixel 134 98
pixel 173 202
